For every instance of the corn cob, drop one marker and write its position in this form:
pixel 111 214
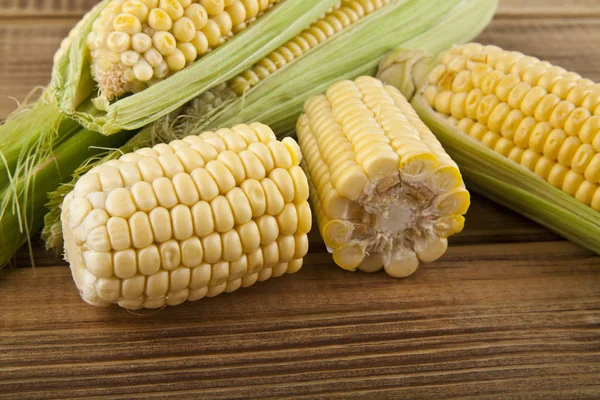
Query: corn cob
pixel 134 43
pixel 166 52
pixel 197 217
pixel 277 99
pixel 385 192
pixel 540 123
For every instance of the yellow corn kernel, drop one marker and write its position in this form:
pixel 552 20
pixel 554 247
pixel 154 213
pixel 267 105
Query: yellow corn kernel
pixel 327 26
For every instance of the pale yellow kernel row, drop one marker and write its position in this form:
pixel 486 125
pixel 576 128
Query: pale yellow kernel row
pixel 554 172
pixel 176 286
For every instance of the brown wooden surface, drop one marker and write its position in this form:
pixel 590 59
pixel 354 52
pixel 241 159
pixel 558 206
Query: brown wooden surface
pixel 511 311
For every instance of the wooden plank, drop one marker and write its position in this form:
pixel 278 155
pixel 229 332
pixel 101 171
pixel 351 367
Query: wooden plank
pixel 76 8
pixel 26 51
pixel 510 309
pixel 493 319
pixel 546 8
pixel 45 8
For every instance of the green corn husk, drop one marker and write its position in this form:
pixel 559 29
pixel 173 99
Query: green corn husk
pixel 24 198
pixel 26 140
pixel 73 86
pixel 489 173
pixel 278 99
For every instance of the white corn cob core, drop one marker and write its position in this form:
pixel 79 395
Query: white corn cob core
pixel 189 219
pixel 385 192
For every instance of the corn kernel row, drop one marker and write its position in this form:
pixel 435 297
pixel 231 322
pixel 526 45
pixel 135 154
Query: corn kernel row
pixel 344 15
pixel 531 112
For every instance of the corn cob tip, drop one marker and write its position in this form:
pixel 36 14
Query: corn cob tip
pixel 385 193
pixel 405 70
pixel 135 43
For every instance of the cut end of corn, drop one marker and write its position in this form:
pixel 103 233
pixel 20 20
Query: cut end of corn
pixel 190 219
pixel 385 193
pixel 538 115
pixel 135 43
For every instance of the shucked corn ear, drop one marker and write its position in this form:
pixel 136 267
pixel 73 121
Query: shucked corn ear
pixel 137 42
pixel 196 217
pixel 278 96
pixel 527 133
pixel 385 192
pixel 127 46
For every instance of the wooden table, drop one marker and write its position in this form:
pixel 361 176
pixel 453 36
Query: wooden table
pixel 511 311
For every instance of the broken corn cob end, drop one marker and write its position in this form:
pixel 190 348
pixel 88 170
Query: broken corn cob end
pixel 190 219
pixel 385 193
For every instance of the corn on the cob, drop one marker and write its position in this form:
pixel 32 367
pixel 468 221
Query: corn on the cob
pixel 134 43
pixel 278 98
pixel 536 118
pixel 197 217
pixel 385 192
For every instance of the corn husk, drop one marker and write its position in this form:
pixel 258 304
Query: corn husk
pixel 23 199
pixel 487 172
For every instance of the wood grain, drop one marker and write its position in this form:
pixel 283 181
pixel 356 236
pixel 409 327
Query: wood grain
pixel 26 51
pixel 45 8
pixel 512 311
pixel 513 8
pixel 549 8
pixel 491 319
